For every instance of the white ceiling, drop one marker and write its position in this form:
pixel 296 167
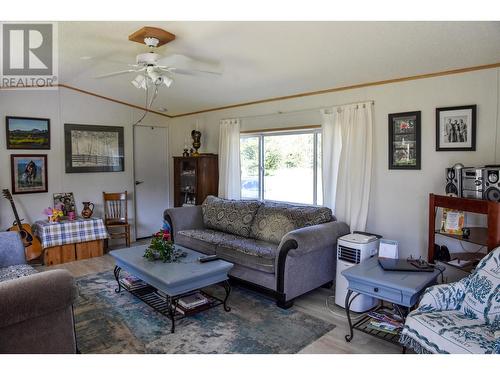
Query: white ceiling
pixel 268 59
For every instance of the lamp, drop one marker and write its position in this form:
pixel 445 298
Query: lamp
pixel 139 82
pixel 167 81
pixel 151 76
pixel 159 79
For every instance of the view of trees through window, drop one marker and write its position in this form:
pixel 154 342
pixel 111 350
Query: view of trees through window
pixel 281 167
pixel 249 159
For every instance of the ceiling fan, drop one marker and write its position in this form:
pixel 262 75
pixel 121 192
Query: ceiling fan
pixel 155 70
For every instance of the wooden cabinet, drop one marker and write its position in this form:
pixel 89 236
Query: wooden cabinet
pixel 195 177
pixel 488 237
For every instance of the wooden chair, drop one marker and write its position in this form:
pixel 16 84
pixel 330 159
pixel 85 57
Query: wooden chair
pixel 115 215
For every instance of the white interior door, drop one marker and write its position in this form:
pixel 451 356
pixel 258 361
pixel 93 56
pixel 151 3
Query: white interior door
pixel 151 178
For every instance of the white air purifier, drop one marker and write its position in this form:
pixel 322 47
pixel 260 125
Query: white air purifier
pixel 353 249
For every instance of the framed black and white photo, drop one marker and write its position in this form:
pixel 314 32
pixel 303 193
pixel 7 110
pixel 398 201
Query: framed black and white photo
pixel 456 128
pixel 404 140
pixel 27 133
pixel 93 148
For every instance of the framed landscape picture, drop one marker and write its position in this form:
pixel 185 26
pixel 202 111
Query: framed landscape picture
pixel 27 133
pixel 404 140
pixel 456 128
pixel 93 148
pixel 28 173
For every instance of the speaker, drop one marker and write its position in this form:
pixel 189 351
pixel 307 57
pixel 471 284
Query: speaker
pixel 453 182
pixel 491 178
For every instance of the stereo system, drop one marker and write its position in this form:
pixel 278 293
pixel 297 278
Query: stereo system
pixel 474 182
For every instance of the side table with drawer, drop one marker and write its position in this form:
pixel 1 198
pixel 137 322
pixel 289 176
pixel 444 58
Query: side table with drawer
pixel 402 289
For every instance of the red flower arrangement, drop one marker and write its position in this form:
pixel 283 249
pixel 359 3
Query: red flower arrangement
pixel 162 248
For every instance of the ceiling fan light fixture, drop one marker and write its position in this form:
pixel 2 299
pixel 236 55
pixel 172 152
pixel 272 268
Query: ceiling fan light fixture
pixel 159 79
pixel 139 82
pixel 151 42
pixel 167 81
pixel 156 77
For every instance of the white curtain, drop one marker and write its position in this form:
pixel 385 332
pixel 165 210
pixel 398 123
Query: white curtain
pixel 347 136
pixel 229 159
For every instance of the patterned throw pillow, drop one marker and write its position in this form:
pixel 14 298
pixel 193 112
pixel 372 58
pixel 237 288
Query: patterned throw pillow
pixel 482 294
pixel 16 271
pixel 228 215
pixel 274 220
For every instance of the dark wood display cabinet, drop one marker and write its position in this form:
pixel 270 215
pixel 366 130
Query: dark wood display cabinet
pixel 195 178
pixel 487 237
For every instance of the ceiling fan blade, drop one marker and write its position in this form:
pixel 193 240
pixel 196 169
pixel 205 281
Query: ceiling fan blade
pixel 188 72
pixel 186 63
pixel 118 73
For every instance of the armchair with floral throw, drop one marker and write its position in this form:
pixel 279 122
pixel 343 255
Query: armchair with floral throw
pixel 461 317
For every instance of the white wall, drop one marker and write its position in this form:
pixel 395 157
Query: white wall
pixel 66 106
pixel 399 198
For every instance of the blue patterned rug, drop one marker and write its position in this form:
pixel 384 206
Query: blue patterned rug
pixel 107 322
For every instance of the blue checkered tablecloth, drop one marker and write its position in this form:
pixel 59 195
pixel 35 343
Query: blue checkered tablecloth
pixel 67 232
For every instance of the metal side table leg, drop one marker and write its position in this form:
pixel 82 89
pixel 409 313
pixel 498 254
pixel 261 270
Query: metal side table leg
pixel 116 271
pixel 348 302
pixel 227 288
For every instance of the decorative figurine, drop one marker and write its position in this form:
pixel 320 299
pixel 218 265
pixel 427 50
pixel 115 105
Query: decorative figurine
pixel 196 135
pixel 87 210
pixel 185 153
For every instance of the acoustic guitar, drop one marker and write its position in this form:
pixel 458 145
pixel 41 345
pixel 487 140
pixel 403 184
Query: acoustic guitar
pixel 32 246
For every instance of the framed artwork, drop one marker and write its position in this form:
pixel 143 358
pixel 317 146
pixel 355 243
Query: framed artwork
pixel 456 128
pixel 67 202
pixel 28 173
pixel 27 133
pixel 404 140
pixel 93 148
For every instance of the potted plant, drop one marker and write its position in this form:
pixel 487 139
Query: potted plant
pixel 162 248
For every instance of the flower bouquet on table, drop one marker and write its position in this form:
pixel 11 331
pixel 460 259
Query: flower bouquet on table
pixel 162 248
pixel 54 214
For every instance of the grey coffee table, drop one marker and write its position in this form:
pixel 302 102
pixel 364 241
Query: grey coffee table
pixel 173 279
pixel 397 287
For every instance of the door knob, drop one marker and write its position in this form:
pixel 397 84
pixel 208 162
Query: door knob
pixel 138 182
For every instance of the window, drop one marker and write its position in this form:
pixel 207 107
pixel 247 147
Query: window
pixel 282 166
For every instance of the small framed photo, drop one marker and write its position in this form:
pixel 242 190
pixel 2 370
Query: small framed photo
pixel 404 140
pixel 456 128
pixel 27 133
pixel 28 173
pixel 93 148
pixel 66 201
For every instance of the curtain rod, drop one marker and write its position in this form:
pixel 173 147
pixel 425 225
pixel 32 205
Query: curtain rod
pixel 273 130
pixel 302 110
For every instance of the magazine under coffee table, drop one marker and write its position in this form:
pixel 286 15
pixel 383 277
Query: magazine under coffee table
pixel 166 283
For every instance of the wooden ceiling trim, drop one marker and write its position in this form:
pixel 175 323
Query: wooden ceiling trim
pixel 294 96
pixel 111 99
pixel 344 88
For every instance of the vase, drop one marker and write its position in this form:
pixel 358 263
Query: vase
pixel 196 135
pixel 87 210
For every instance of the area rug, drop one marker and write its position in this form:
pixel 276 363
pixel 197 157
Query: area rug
pixel 107 322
